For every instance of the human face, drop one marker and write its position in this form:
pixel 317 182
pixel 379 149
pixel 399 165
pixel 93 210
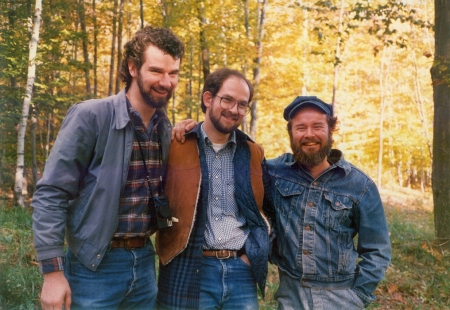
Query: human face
pixel 226 121
pixel 310 137
pixel 157 78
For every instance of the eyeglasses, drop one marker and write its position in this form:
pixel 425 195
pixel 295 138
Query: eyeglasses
pixel 228 103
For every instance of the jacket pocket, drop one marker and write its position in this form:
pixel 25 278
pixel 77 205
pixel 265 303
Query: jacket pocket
pixel 288 196
pixel 338 214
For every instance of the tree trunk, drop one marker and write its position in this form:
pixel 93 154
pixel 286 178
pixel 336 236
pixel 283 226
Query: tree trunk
pixel 94 21
pixel 33 148
pixel 119 45
pixel 440 75
pixel 257 69
pixel 84 38
pixel 203 42
pixel 113 49
pixel 26 106
pixel 337 60
pixel 141 10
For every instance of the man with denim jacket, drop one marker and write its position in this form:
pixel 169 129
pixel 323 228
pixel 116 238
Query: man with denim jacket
pixel 109 156
pixel 322 203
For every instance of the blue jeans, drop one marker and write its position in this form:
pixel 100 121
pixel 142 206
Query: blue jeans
pixel 291 295
pixel 227 284
pixel 125 279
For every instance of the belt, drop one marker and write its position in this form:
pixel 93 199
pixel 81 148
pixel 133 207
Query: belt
pixel 224 254
pixel 129 243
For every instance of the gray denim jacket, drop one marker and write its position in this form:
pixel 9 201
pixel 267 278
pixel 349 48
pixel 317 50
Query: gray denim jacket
pixel 317 219
pixel 78 194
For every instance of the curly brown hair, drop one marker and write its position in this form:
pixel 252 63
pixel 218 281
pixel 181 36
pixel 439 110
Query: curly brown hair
pixel 162 38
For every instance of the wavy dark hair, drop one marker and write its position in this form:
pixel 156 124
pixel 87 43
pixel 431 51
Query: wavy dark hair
pixel 214 81
pixel 162 38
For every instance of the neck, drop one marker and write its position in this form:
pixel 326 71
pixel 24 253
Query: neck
pixel 138 103
pixel 213 134
pixel 315 171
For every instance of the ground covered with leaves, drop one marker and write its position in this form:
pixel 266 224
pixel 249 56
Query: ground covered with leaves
pixel 418 277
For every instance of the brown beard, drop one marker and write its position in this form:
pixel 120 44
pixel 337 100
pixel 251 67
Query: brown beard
pixel 310 160
pixel 149 99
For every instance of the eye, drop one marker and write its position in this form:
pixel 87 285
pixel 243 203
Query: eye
pixel 227 100
pixel 243 104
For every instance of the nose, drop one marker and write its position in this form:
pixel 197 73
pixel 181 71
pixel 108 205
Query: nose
pixel 165 81
pixel 234 108
pixel 309 132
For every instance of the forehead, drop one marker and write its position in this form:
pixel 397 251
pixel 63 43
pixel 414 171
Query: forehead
pixel 309 115
pixel 153 56
pixel 235 87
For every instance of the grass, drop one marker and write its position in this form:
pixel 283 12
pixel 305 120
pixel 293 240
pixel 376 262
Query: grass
pixel 418 277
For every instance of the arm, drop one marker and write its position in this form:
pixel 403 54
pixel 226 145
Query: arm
pixel 373 243
pixel 181 128
pixel 64 172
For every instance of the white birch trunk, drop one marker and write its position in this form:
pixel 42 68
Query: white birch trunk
pixel 18 186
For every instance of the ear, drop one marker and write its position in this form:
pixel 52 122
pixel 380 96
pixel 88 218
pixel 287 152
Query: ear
pixel 132 69
pixel 207 98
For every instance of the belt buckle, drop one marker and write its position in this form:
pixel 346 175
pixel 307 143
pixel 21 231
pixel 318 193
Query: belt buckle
pixel 126 245
pixel 229 254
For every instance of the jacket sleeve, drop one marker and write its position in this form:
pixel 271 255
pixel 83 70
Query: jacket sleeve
pixel 374 247
pixel 269 208
pixel 64 174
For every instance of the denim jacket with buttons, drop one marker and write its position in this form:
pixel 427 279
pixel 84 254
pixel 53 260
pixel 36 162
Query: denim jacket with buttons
pixel 331 231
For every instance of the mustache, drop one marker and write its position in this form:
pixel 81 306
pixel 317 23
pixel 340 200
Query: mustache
pixel 228 114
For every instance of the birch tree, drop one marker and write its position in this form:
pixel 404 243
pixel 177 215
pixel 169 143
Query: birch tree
pixel 18 186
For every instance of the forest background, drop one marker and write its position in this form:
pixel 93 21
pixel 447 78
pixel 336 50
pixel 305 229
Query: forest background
pixel 371 59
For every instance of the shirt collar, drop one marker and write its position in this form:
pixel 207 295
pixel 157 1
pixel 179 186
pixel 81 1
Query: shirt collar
pixel 231 140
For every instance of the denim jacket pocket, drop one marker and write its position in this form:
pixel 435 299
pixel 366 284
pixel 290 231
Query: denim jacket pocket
pixel 340 211
pixel 338 217
pixel 289 194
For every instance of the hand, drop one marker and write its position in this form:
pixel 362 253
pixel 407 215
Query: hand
pixel 55 291
pixel 244 257
pixel 181 128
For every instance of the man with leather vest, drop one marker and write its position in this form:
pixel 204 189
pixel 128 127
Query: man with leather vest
pixel 216 254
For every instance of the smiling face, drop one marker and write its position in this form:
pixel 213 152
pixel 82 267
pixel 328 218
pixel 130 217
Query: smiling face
pixel 310 137
pixel 220 121
pixel 157 78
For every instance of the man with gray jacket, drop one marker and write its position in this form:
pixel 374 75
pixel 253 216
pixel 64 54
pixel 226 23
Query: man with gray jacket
pixel 107 161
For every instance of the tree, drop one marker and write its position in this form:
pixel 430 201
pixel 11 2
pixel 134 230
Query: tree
pixel 26 105
pixel 440 74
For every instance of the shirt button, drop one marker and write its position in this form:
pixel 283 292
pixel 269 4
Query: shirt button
pixel 305 252
pixel 308 227
pixel 315 183
pixel 217 176
pixel 220 239
pixel 337 203
pixel 93 265
pixel 311 204
pixel 217 198
pixel 98 255
pixel 217 218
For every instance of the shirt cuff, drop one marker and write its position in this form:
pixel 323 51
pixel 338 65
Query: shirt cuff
pixel 51 265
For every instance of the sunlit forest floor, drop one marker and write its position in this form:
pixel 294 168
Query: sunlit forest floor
pixel 418 277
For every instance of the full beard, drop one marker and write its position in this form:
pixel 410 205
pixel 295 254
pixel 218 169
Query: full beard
pixel 221 128
pixel 310 159
pixel 154 103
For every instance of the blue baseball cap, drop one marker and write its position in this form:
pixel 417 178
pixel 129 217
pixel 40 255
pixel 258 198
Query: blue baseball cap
pixel 302 101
